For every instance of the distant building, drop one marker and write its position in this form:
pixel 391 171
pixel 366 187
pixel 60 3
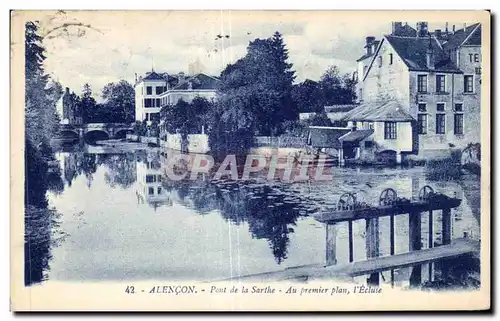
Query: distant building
pixel 419 91
pixel 156 90
pixel 68 109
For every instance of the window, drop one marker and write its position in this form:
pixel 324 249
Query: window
pixel 146 118
pixel 157 102
pixel 159 89
pixel 390 59
pixel 364 70
pixel 368 144
pixel 440 83
pixel 370 125
pixel 468 84
pixel 422 83
pixel 148 102
pixel 440 106
pixel 458 127
pixel 390 130
pixel 422 123
pixel 354 124
pixel 159 178
pixel 149 90
pixel 422 107
pixel 150 178
pixel 360 93
pixel 380 61
pixel 151 191
pixel 440 123
pixel 458 119
pixel 159 190
pixel 155 116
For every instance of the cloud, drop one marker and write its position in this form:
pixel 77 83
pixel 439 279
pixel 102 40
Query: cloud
pixel 119 44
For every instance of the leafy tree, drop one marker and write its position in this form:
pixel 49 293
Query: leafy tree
pixel 41 93
pixel 88 105
pixel 308 96
pixel 120 99
pixel 320 119
pixel 255 92
pixel 337 89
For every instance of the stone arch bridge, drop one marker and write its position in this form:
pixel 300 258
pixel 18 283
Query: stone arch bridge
pixel 101 131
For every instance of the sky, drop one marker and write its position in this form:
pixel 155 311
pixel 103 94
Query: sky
pixel 111 46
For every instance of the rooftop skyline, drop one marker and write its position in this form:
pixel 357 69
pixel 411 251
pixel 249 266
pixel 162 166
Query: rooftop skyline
pixel 105 47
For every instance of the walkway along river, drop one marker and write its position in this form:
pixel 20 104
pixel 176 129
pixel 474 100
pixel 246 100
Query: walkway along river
pixel 122 219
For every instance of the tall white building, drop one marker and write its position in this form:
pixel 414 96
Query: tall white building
pixel 155 90
pixel 147 96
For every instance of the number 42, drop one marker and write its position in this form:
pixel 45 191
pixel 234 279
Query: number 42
pixel 130 289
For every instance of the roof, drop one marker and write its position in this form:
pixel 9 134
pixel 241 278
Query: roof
pixel 340 108
pixel 363 57
pixel 405 31
pixel 356 135
pixel 153 76
pixel 381 111
pixel 326 137
pixel 413 51
pixel 458 38
pixel 198 82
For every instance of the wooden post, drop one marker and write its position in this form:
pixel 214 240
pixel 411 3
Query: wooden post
pixel 446 226
pixel 331 244
pixel 415 244
pixel 351 245
pixel 392 245
pixel 373 246
pixel 431 241
pixel 392 234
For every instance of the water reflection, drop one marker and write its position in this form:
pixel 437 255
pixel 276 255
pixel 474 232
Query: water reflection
pixel 274 212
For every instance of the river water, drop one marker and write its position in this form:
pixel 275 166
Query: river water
pixel 121 218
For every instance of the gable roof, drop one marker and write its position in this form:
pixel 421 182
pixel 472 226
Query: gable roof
pixel 405 31
pixel 326 137
pixel 340 108
pixel 413 51
pixel 153 76
pixel 458 38
pixel 356 136
pixel 198 81
pixel 381 111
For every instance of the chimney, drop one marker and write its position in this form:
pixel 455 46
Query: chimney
pixel 446 29
pixel 369 44
pixel 437 34
pixel 396 26
pixel 136 77
pixel 453 29
pixel 67 90
pixel 181 77
pixel 465 26
pixel 430 55
pixel 422 29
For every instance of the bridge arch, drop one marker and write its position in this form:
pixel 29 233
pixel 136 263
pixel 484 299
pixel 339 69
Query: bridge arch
pixel 95 135
pixel 68 134
pixel 386 156
pixel 122 132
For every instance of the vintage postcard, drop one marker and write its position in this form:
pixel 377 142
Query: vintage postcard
pixel 250 160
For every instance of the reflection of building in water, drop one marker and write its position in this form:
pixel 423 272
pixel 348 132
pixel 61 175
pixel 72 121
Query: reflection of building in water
pixel 149 182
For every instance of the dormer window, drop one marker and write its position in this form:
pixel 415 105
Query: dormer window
pixel 390 59
pixel 380 61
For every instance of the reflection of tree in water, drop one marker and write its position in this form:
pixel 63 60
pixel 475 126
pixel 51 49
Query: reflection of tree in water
pixel 76 164
pixel 122 170
pixel 38 218
pixel 269 212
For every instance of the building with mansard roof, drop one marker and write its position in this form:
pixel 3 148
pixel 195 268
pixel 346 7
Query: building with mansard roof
pixel 156 90
pixel 419 90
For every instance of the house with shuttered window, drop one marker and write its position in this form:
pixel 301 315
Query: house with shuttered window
pixel 419 91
